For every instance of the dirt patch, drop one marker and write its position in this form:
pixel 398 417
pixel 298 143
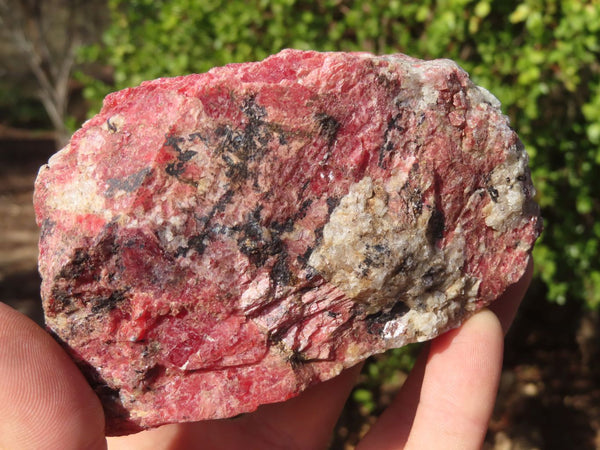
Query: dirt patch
pixel 20 160
pixel 550 389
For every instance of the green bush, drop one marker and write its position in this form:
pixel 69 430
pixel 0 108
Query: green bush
pixel 539 57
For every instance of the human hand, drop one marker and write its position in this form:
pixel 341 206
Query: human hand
pixel 446 401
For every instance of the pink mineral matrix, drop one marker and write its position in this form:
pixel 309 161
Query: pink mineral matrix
pixel 218 241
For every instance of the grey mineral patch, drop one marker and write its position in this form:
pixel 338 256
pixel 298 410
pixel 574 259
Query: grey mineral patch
pixel 511 191
pixel 378 262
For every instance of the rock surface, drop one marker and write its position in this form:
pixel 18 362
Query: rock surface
pixel 215 242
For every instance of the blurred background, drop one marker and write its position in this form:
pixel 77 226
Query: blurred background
pixel 541 58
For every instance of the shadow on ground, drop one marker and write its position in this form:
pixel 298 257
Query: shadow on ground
pixel 22 292
pixel 20 160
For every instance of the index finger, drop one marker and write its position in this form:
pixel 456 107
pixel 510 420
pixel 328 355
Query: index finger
pixel 452 387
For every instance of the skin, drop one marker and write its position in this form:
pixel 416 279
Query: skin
pixel 446 401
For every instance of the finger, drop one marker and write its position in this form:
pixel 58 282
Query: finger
pixel 308 420
pixel 459 386
pixel 393 427
pixel 457 391
pixel 304 422
pixel 45 402
pixel 507 305
pixel 162 438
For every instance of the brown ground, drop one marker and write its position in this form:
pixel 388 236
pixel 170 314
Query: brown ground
pixel 550 390
pixel 19 279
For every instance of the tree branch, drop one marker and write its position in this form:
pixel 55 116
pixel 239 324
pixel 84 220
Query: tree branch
pixel 27 28
pixel 41 41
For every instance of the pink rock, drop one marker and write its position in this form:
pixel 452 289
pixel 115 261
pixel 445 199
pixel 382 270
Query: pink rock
pixel 215 242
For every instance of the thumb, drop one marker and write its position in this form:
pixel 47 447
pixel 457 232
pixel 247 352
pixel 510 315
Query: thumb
pixel 45 401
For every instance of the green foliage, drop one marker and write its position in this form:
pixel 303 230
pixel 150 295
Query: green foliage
pixel 382 373
pixel 539 57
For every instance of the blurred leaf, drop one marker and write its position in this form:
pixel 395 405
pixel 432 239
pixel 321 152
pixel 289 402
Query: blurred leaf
pixel 520 14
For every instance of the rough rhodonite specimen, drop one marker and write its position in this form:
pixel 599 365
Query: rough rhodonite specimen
pixel 218 241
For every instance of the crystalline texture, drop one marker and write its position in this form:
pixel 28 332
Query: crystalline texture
pixel 214 242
